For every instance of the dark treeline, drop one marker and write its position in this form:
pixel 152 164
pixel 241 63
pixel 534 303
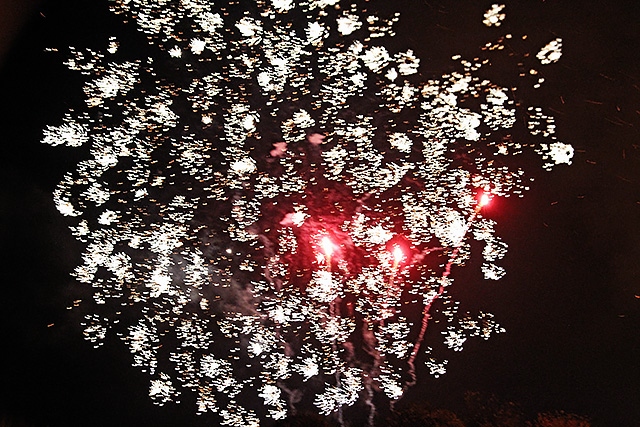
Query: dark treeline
pixel 480 411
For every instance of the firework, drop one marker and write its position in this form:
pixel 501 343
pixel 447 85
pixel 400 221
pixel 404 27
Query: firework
pixel 274 201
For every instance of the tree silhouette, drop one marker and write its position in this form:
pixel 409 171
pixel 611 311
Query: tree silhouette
pixel 561 419
pixel 415 415
pixel 490 411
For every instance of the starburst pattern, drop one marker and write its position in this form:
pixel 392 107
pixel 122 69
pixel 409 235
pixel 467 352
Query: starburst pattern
pixel 274 201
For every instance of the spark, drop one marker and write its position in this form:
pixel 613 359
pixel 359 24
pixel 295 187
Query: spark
pixel 494 16
pixel 398 256
pixel 327 246
pixel 551 52
pixel 484 200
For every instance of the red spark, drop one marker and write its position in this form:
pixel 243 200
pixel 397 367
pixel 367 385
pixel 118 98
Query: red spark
pixel 398 255
pixel 484 200
pixel 327 246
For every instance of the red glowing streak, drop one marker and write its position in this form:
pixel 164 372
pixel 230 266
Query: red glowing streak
pixel 398 255
pixel 327 246
pixel 484 200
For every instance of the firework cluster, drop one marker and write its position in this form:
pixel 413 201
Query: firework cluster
pixel 274 200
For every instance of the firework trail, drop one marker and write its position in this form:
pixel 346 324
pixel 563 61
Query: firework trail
pixel 269 196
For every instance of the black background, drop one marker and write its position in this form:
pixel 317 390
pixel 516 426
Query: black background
pixel 570 301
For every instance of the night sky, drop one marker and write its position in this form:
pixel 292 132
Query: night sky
pixel 570 301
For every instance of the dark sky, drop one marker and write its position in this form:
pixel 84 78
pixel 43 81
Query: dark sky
pixel 570 300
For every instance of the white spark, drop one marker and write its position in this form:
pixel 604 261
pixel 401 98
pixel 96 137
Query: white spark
pixel 197 46
pixel 555 154
pixel 551 52
pixel 494 16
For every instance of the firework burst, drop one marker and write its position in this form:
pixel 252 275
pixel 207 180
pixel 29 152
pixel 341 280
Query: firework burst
pixel 275 200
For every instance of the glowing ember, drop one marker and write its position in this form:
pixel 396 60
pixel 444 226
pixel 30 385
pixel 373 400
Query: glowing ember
pixel 484 200
pixel 327 246
pixel 398 255
pixel 226 162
